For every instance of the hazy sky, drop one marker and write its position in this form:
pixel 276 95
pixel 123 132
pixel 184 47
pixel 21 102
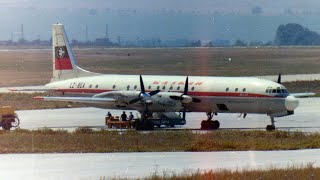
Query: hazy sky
pixel 185 5
pixel 165 19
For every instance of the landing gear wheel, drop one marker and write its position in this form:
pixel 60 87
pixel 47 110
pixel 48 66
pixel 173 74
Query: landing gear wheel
pixel 144 125
pixel 209 125
pixel 15 122
pixel 270 128
pixel 216 124
pixel 6 125
pixel 204 124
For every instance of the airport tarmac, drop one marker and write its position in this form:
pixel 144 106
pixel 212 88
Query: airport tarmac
pixel 134 165
pixel 306 118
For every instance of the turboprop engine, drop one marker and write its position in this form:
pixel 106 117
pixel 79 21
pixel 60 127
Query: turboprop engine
pixel 171 100
pixel 121 97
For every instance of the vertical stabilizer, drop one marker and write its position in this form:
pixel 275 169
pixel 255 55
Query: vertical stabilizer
pixel 64 63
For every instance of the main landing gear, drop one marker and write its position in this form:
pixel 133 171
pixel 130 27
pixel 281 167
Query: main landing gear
pixel 210 124
pixel 271 127
pixel 144 124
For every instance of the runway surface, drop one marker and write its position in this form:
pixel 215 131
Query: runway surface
pixel 306 118
pixel 134 165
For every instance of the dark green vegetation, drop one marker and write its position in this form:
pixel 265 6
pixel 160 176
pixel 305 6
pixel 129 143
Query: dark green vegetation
pixel 86 140
pixel 295 34
pixel 35 67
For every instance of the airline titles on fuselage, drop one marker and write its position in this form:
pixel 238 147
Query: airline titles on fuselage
pixel 82 84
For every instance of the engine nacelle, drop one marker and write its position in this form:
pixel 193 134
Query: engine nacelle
pixel 171 100
pixel 120 96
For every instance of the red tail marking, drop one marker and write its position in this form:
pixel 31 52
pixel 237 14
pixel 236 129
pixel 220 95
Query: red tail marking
pixel 62 64
pixel 62 58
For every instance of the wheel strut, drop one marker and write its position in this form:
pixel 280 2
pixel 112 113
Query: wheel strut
pixel 272 126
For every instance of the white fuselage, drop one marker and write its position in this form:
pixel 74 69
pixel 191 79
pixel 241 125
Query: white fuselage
pixel 217 94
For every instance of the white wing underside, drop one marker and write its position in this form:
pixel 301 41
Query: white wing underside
pixel 77 99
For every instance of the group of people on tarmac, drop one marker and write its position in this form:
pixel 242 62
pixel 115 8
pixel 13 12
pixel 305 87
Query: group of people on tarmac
pixel 124 116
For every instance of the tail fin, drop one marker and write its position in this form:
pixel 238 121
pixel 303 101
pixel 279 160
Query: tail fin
pixel 64 64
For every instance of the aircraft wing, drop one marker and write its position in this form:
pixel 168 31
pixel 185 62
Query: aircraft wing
pixel 76 99
pixel 302 95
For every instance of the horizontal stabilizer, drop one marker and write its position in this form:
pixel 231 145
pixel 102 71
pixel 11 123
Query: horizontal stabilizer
pixel 30 89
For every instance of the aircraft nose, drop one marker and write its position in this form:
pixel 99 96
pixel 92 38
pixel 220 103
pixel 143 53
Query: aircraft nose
pixel 291 103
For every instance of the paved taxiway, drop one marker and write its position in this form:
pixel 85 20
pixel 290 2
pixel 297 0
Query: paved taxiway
pixel 94 166
pixel 306 118
pixel 134 165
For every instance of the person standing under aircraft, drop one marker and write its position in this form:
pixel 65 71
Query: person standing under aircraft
pixel 124 116
pixel 109 114
pixel 131 116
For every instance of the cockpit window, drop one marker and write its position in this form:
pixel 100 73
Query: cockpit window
pixel 278 90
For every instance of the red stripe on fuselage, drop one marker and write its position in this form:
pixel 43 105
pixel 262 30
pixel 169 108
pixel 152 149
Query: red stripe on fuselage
pixel 220 94
pixel 62 64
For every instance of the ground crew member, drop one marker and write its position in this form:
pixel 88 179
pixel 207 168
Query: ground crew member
pixel 109 114
pixel 124 116
pixel 131 116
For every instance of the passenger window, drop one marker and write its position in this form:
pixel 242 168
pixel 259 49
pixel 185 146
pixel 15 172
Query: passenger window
pixel 158 87
pixel 90 86
pixel 178 88
pixel 171 88
pixel 97 86
pixel 244 90
pixel 135 87
pixel 149 87
pixel 114 86
pixel 227 89
pixel 164 87
pixel 274 91
pixel 128 87
pixel 267 91
pixel 192 89
pixel 236 89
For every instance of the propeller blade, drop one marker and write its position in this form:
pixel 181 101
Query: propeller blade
pixel 279 79
pixel 154 92
pixel 186 86
pixel 135 100
pixel 142 85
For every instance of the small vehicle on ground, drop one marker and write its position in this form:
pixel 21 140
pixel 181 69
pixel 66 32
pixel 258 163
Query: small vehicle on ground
pixel 8 117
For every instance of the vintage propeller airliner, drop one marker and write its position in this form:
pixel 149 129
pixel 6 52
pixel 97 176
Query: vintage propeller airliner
pixel 154 93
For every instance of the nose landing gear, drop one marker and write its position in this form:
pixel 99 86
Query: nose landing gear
pixel 271 127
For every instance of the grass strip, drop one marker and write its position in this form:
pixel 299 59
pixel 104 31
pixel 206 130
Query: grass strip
pixel 308 172
pixel 85 140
